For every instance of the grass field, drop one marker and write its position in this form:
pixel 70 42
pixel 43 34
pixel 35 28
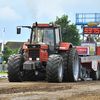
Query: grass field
pixel 3 73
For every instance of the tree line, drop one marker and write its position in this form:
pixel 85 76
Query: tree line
pixel 8 52
pixel 72 35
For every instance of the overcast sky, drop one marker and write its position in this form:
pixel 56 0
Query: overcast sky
pixel 25 12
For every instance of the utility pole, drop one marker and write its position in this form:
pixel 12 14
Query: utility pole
pixel 2 48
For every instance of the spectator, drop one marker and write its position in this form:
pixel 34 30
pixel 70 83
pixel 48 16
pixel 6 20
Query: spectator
pixel 89 39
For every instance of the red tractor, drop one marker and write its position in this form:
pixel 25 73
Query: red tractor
pixel 45 54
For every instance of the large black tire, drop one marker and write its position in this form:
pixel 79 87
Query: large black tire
pixel 25 54
pixel 20 50
pixel 73 65
pixel 81 76
pixel 15 65
pixel 95 75
pixel 65 60
pixel 99 71
pixel 54 68
pixel 30 76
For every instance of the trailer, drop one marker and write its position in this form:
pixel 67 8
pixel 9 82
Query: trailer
pixel 89 52
pixel 89 58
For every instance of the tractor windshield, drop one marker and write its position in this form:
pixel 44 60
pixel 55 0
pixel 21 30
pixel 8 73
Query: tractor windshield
pixel 44 35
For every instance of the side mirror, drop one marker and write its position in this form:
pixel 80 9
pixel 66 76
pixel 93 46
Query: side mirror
pixel 18 30
pixel 64 30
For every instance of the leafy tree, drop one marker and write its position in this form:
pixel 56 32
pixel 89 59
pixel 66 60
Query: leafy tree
pixel 72 35
pixel 8 52
pixel 96 39
pixel 15 51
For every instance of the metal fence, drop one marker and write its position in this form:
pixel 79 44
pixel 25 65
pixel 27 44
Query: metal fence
pixel 3 68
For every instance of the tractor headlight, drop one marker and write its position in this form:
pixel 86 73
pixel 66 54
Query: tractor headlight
pixel 37 59
pixel 30 59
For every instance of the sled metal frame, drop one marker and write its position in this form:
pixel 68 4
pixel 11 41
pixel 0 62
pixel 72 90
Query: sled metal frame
pixel 85 18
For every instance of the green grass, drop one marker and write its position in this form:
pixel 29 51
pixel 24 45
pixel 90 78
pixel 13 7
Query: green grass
pixel 3 73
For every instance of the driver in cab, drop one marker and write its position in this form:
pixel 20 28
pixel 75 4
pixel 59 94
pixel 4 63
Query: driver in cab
pixel 47 38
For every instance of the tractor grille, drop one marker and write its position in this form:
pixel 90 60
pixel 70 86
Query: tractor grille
pixel 33 54
pixel 33 46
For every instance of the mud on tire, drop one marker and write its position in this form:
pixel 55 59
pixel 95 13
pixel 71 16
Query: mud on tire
pixel 15 65
pixel 54 68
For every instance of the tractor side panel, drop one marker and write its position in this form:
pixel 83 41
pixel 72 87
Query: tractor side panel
pixel 43 53
pixel 65 46
pixel 44 56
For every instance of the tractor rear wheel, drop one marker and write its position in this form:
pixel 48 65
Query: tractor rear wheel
pixel 65 60
pixel 20 50
pixel 95 74
pixel 54 68
pixel 73 65
pixel 25 55
pixel 15 65
pixel 99 71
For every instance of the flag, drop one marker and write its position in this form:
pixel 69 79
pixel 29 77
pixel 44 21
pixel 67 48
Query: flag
pixel 3 31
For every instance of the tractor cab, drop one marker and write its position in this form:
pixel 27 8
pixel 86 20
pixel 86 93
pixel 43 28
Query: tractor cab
pixel 44 36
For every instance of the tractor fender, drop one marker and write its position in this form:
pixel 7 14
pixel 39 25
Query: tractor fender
pixel 24 45
pixel 65 46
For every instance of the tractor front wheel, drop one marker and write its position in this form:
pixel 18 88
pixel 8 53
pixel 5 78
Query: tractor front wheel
pixel 54 68
pixel 15 65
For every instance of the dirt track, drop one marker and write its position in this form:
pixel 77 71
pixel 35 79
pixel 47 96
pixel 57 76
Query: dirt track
pixel 43 90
